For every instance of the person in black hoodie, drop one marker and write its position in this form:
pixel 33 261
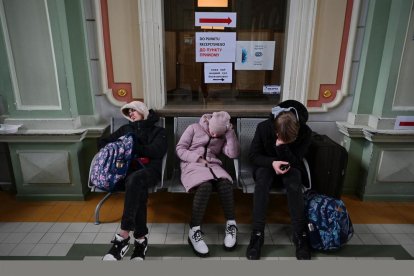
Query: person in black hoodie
pixel 277 151
pixel 150 147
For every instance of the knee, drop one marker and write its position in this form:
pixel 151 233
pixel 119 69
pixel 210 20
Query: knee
pixel 205 188
pixel 293 181
pixel 263 178
pixel 136 179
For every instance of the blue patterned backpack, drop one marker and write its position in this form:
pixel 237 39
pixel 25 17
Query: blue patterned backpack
pixel 112 163
pixel 329 224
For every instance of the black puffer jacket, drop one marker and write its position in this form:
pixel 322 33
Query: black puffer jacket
pixel 151 140
pixel 263 149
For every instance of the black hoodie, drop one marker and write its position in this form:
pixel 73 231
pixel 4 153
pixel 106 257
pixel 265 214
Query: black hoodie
pixel 263 149
pixel 151 140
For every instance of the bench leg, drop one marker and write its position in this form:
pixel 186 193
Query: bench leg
pixel 98 208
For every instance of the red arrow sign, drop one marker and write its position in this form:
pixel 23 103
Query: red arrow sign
pixel 216 20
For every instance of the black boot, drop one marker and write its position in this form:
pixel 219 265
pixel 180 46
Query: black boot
pixel 255 245
pixel 301 241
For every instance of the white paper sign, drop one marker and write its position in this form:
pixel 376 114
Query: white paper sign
pixel 218 72
pixel 255 55
pixel 271 89
pixel 216 19
pixel 215 47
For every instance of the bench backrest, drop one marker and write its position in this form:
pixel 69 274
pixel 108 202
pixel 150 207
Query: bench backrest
pixel 246 127
pixel 180 125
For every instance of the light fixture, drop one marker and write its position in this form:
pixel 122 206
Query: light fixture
pixel 212 3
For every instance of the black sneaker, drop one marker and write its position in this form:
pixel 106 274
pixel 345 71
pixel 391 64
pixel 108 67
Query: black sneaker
pixel 255 246
pixel 303 251
pixel 140 250
pixel 118 250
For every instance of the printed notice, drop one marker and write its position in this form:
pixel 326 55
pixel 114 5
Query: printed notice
pixel 215 47
pixel 255 55
pixel 271 89
pixel 218 72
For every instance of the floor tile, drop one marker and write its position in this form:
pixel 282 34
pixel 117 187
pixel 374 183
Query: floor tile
pixel 14 237
pixel 6 248
pixel 156 238
pixel 59 227
pixel 403 238
pixel 368 239
pixel 109 228
pixel 174 238
pixel 22 249
pixel 386 239
pixel 212 238
pixel 41 249
pixel 176 228
pixel 92 228
pixel 212 228
pixel 242 238
pixel 9 226
pixel 409 248
pixel 393 228
pixel 75 227
pixel 361 229
pixel 159 228
pixel 60 249
pixel 25 227
pixel 86 238
pixel 376 228
pixel 103 238
pixel 3 236
pixel 33 238
pixel 281 239
pixel 50 238
pixel 355 240
pixel 68 237
pixel 42 227
pixel 244 228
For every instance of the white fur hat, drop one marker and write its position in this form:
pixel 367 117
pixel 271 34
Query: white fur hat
pixel 136 105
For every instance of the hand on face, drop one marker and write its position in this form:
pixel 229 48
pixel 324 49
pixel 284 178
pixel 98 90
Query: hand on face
pixel 135 115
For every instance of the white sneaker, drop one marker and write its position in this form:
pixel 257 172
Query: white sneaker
pixel 195 239
pixel 230 238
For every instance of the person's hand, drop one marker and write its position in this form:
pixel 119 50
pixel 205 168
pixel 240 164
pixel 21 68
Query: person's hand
pixel 278 167
pixel 202 160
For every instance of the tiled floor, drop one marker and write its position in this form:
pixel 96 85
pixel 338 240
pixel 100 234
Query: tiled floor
pixel 30 239
pixel 65 230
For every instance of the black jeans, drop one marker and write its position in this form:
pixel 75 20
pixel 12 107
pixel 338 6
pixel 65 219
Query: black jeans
pixel 134 217
pixel 292 181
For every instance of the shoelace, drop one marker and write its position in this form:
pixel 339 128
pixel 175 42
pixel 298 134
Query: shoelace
pixel 231 230
pixel 198 235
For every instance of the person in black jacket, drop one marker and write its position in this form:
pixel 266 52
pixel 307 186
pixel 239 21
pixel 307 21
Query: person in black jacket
pixel 150 147
pixel 277 151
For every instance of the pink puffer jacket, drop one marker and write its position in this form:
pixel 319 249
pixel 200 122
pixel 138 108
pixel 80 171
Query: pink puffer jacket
pixel 192 146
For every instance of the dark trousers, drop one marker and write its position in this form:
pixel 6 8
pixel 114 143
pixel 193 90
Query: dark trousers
pixel 134 217
pixel 292 181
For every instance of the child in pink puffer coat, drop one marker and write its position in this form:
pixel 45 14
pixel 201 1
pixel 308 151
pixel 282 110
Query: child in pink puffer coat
pixel 201 171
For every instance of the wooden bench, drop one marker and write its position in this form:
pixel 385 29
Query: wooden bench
pixel 115 124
